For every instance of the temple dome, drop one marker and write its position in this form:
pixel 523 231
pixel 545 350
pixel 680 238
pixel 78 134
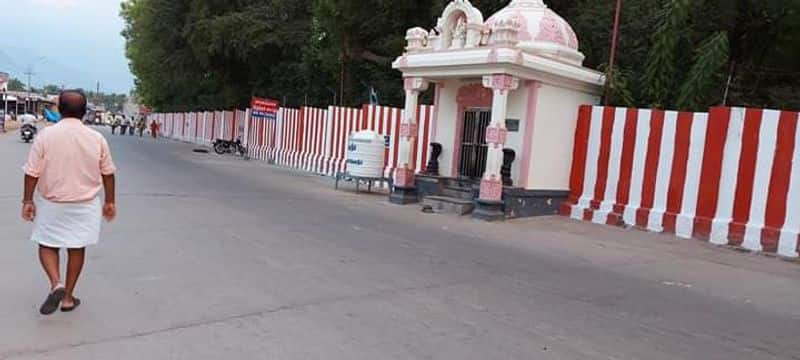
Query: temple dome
pixel 541 30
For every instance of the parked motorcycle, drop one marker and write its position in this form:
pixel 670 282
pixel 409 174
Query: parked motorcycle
pixel 27 133
pixel 229 147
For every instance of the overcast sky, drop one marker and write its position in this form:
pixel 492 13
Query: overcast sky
pixel 74 43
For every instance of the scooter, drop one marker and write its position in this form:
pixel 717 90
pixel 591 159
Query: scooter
pixel 27 133
pixel 229 147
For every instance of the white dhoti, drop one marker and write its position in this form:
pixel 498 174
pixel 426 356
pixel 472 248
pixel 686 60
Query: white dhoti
pixel 67 225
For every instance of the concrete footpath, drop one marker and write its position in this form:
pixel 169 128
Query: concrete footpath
pixel 215 257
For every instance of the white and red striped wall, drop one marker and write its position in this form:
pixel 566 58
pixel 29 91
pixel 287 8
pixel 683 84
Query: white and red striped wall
pixel 386 121
pixel 730 176
pixel 201 127
pixel 310 139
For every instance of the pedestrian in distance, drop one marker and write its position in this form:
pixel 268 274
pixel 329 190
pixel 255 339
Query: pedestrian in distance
pixel 124 124
pixel 68 165
pixel 115 123
pixel 141 126
pixel 131 125
pixel 154 128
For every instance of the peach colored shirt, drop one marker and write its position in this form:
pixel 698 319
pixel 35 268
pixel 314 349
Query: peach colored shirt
pixel 69 159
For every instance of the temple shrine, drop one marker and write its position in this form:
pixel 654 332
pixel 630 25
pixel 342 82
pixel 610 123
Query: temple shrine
pixel 507 93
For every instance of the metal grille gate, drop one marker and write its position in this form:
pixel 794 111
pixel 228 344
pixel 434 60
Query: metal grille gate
pixel 473 143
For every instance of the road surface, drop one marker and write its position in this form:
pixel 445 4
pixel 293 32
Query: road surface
pixel 219 258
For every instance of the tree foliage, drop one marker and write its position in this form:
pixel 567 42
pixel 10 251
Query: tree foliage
pixel 192 54
pixel 15 84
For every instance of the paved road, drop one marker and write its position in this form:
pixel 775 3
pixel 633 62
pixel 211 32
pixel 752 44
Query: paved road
pixel 218 258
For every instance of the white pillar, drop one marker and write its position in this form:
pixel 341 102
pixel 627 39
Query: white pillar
pixel 403 192
pixel 404 175
pixel 496 134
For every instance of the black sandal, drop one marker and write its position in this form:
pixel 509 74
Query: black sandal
pixel 75 303
pixel 53 300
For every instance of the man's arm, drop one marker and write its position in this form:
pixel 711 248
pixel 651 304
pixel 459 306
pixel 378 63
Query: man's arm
pixel 110 206
pixel 28 208
pixel 30 187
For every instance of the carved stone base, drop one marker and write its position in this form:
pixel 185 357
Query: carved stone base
pixel 403 195
pixel 489 210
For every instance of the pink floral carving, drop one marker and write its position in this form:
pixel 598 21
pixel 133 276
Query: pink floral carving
pixel 474 95
pixel 572 39
pixel 496 135
pixel 550 29
pixel 524 34
pixel 408 130
pixel 502 82
pixel 492 189
pixel 404 177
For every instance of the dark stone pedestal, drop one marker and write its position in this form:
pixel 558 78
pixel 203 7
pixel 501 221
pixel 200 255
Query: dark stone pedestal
pixel 520 203
pixel 428 185
pixel 488 210
pixel 403 196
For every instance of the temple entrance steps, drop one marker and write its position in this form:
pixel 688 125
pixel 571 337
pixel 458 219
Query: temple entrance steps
pixel 448 205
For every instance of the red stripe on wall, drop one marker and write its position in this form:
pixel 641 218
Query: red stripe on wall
pixel 708 193
pixel 579 152
pixel 213 124
pixel 233 126
pixel 746 178
pixel 396 135
pixel 683 134
pixel 651 167
pixel 626 161
pixel 301 128
pixel 779 181
pixel 605 155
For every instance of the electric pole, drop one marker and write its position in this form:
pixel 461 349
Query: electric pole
pixel 97 96
pixel 29 73
pixel 613 52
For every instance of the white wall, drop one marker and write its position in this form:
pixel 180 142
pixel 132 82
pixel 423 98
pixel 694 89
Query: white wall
pixel 516 109
pixel 554 136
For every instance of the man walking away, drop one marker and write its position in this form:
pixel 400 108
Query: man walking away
pixel 67 166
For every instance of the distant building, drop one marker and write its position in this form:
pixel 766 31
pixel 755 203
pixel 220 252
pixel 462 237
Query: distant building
pixel 20 102
pixel 4 77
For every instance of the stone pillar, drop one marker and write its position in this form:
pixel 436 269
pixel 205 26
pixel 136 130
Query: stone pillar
pixel 489 205
pixel 403 191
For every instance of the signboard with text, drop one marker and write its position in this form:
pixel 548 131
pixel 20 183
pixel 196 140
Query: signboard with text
pixel 261 108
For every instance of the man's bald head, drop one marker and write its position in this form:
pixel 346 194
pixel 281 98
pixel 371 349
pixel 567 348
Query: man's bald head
pixel 72 104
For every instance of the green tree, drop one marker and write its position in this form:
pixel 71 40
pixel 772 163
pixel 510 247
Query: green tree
pixel 51 89
pixel 15 85
pixel 202 54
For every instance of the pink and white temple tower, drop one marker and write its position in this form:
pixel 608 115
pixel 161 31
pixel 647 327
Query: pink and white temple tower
pixel 507 93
